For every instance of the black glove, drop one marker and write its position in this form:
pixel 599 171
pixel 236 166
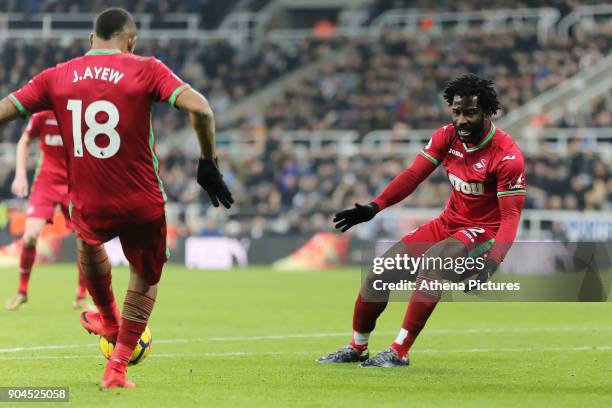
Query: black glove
pixel 490 266
pixel 211 180
pixel 345 219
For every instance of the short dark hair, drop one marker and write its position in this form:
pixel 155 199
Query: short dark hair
pixel 113 21
pixel 472 85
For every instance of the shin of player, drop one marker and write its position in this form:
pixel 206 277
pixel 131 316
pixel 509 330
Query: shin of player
pixel 96 268
pixel 33 228
pixel 137 308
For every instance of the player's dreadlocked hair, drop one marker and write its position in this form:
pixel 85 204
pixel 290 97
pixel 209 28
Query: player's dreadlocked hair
pixel 471 85
pixel 112 22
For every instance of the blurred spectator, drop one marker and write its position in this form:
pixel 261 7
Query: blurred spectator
pixel 398 79
pixel 279 190
pixel 597 113
pixel 221 71
pixel 211 12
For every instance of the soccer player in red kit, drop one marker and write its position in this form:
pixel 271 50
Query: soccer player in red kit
pixel 49 189
pixel 102 102
pixel 485 168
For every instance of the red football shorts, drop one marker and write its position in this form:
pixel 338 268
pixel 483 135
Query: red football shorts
pixel 47 193
pixel 477 239
pixel 144 245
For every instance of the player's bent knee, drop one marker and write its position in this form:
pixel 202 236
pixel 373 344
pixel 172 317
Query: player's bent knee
pixel 30 240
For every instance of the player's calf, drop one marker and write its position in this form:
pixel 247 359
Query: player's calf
pixel 369 305
pixel 426 296
pixel 93 263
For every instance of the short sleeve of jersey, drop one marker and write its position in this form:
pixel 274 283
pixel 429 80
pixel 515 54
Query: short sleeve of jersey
pixel 34 96
pixel 511 175
pixel 437 147
pixel 165 84
pixel 35 125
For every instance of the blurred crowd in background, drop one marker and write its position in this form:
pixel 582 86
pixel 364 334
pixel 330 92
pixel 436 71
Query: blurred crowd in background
pixel 596 114
pixel 398 81
pixel 279 191
pixel 216 68
pixel 210 12
pixel 364 85
pixel 564 6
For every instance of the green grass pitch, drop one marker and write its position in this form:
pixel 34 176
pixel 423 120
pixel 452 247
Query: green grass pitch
pixel 250 337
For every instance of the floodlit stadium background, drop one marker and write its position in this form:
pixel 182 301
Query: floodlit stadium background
pixel 319 104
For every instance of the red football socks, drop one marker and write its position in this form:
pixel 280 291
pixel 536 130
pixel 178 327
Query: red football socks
pixel 364 321
pixel 26 260
pixel 421 305
pixel 359 342
pixel 98 277
pixel 136 311
pixel 365 315
pixel 102 294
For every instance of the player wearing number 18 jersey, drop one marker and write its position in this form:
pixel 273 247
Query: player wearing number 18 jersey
pixel 102 102
pixel 486 172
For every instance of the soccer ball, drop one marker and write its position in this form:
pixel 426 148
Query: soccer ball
pixel 142 350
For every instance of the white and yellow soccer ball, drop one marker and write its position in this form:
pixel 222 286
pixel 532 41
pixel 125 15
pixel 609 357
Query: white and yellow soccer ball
pixel 142 350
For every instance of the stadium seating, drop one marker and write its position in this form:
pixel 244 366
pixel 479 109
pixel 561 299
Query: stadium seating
pixel 383 84
pixel 390 82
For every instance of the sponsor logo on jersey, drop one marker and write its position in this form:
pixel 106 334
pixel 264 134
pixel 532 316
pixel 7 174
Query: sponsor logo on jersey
pixel 455 152
pixel 508 158
pixel 53 140
pixel 518 184
pixel 101 73
pixel 464 186
pixel 480 166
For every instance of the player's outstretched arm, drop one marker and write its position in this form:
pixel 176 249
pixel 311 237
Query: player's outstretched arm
pixel 406 182
pixel 8 111
pixel 20 183
pixel 401 187
pixel 203 122
pixel 423 165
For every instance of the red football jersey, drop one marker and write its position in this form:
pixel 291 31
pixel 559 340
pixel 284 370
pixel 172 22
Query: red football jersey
pixel 477 174
pixel 52 157
pixel 102 102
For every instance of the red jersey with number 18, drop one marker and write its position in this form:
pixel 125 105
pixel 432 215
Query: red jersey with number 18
pixel 102 102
